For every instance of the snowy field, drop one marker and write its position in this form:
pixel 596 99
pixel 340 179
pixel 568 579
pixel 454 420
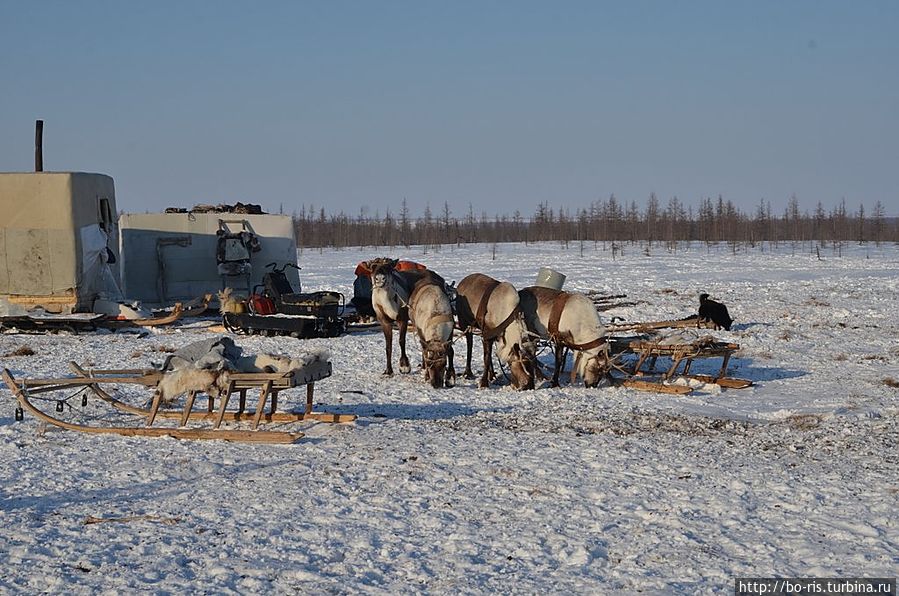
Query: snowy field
pixel 474 491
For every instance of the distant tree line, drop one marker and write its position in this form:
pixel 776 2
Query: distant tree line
pixel 605 220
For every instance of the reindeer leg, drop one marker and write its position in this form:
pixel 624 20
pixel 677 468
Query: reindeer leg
pixel 469 341
pixel 488 363
pixel 574 367
pixel 450 378
pixel 387 328
pixel 559 353
pixel 425 371
pixel 403 324
pixel 538 370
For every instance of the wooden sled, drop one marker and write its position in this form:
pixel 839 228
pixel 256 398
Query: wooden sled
pixel 176 313
pixel 194 308
pixel 650 380
pixel 269 386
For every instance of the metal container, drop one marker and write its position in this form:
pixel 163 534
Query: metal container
pixel 548 278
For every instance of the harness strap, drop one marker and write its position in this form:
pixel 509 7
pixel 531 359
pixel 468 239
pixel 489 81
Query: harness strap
pixel 481 316
pixel 482 305
pixel 556 313
pixel 565 339
pixel 501 328
pixel 586 346
pixel 435 318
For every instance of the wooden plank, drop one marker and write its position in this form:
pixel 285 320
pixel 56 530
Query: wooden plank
pixel 222 405
pixel 233 416
pixel 188 407
pixel 93 372
pixel 157 400
pixel 310 391
pixel 729 382
pixel 68 299
pixel 260 408
pixel 651 325
pixel 657 387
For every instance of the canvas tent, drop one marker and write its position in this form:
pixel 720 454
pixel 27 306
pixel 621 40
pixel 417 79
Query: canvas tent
pixel 57 241
pixel 168 257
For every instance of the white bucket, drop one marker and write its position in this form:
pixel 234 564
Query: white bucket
pixel 547 278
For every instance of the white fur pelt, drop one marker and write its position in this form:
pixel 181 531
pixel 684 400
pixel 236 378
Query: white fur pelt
pixel 202 380
pixel 210 372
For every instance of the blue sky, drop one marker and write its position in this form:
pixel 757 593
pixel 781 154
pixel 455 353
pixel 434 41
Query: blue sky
pixel 501 105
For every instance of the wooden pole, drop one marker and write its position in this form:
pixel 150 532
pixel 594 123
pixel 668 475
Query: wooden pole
pixel 39 146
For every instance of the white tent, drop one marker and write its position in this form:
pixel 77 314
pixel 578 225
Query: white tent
pixel 57 241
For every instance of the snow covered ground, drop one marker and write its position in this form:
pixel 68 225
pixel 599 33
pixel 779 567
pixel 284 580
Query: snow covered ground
pixel 471 491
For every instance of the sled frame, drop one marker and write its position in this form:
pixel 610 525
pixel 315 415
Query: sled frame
pixel 269 385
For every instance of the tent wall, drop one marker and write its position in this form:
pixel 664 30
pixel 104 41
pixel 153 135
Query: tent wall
pixel 46 217
pixel 167 257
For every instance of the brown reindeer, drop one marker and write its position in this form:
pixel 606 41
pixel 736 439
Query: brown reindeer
pixel 390 294
pixel 570 321
pixel 432 313
pixel 493 307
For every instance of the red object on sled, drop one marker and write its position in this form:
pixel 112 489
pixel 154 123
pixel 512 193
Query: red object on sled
pixel 261 305
pixel 362 269
pixel 410 266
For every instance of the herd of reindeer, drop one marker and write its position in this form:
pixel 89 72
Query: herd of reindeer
pixel 510 319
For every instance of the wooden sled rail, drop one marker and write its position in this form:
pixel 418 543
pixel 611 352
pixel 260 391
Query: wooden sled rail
pixel 690 323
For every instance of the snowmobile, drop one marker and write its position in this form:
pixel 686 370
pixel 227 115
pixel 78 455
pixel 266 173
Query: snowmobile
pixel 274 308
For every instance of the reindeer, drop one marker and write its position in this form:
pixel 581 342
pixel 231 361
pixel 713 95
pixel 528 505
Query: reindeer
pixel 493 307
pixel 569 320
pixel 432 313
pixel 390 294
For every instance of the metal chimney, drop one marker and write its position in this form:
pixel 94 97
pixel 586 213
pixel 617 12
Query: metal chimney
pixel 39 146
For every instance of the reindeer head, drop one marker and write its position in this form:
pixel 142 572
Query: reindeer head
pixel 434 356
pixel 518 349
pixel 521 368
pixel 593 366
pixel 381 270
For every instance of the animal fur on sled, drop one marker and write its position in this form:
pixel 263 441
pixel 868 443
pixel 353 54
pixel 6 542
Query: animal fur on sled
pixel 178 382
pixel 212 377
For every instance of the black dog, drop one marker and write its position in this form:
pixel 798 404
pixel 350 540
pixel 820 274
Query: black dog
pixel 709 310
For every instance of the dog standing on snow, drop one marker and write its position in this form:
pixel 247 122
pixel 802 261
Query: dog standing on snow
pixel 709 310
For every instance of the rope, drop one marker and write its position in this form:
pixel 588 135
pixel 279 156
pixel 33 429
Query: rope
pixel 502 368
pixel 65 400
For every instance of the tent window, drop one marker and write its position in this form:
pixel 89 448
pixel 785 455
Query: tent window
pixel 105 215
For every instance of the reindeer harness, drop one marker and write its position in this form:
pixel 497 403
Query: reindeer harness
pixel 481 315
pixel 566 339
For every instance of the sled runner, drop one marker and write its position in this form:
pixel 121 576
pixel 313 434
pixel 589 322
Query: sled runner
pixel 194 308
pixel 164 319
